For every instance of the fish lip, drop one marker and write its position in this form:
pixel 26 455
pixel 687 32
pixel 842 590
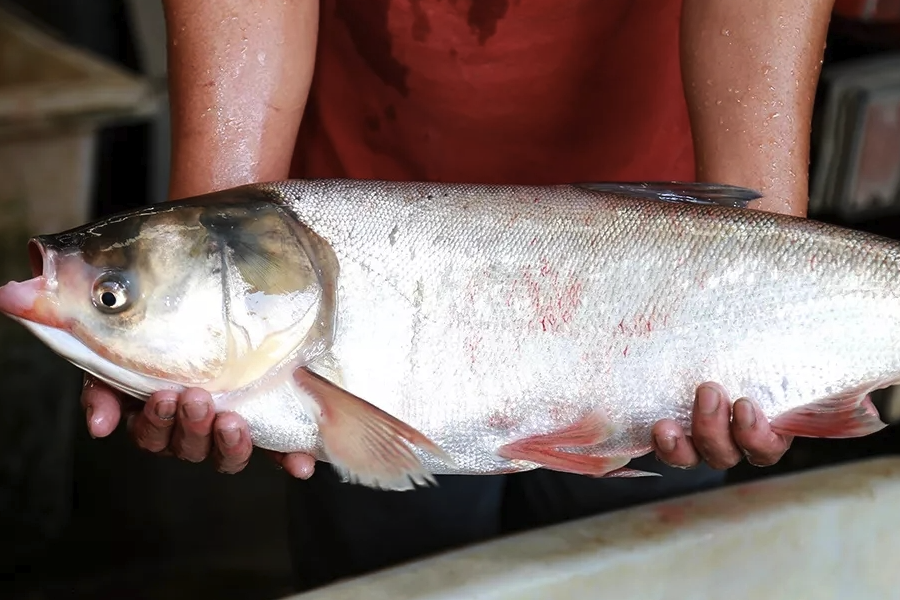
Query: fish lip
pixel 18 299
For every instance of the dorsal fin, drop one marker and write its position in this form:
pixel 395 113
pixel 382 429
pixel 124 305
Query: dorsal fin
pixel 678 191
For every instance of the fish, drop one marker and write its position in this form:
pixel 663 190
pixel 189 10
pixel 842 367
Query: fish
pixel 404 330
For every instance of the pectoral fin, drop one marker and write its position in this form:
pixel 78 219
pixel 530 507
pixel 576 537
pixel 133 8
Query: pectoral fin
pixel 365 444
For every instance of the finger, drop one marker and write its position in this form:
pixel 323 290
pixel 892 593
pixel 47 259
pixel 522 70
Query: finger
pixel 102 406
pixel 750 428
pixel 192 434
pixel 151 428
pixel 672 446
pixel 301 466
pixel 232 449
pixel 711 427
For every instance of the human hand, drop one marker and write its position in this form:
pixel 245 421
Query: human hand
pixel 184 425
pixel 716 438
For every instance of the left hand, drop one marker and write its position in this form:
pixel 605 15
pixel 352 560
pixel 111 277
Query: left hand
pixel 184 425
pixel 717 438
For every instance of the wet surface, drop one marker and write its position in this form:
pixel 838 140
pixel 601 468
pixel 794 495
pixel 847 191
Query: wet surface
pixel 367 24
pixel 483 17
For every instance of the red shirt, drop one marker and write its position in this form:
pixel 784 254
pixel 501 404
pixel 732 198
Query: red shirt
pixel 497 91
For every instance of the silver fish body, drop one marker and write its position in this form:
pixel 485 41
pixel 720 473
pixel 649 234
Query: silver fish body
pixel 473 329
pixel 481 315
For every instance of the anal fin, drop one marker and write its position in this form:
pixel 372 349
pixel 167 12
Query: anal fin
pixel 846 417
pixel 363 443
pixel 547 451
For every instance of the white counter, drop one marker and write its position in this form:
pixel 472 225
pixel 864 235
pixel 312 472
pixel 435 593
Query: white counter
pixel 819 535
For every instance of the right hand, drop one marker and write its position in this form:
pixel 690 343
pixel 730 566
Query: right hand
pixel 184 425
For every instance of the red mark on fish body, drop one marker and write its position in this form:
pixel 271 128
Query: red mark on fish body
pixel 812 261
pixel 502 421
pixel 625 351
pixel 558 414
pixel 472 344
pixel 533 240
pixel 641 325
pixel 470 293
pixel 512 292
pixel 549 322
pixel 534 288
pixel 701 280
pixel 569 301
pixel 552 302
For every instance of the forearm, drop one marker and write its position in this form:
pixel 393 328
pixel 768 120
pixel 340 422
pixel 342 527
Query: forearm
pixel 239 77
pixel 750 72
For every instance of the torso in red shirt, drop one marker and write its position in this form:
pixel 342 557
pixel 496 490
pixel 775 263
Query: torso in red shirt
pixel 497 91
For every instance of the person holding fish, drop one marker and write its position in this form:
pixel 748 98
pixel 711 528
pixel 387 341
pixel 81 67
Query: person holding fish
pixel 488 91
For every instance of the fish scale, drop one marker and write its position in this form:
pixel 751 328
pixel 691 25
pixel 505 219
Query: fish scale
pixel 733 293
pixel 481 328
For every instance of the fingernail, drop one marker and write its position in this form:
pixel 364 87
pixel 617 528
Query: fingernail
pixel 165 410
pixel 196 411
pixel 666 443
pixel 707 400
pixel 744 414
pixel 230 437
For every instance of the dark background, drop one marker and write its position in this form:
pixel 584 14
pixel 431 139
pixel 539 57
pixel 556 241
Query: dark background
pixel 98 518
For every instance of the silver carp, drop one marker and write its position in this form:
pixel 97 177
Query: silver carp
pixel 400 330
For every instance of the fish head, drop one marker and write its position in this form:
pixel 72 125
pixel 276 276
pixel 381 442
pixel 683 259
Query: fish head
pixel 214 292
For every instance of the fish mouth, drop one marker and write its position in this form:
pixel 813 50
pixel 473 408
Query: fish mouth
pixel 29 300
pixel 38 257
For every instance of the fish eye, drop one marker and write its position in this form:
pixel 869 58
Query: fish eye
pixel 110 293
